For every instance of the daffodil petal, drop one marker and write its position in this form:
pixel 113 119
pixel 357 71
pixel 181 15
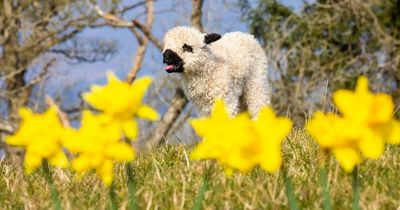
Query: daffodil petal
pixel 15 140
pixel 59 159
pixel 148 113
pixel 371 145
pixel 130 129
pixel 81 163
pixel 382 109
pixel 106 172
pixel 362 84
pixel 200 126
pixel 272 160
pixel 347 157
pixel 141 85
pixel 111 77
pixel 31 162
pixel 120 152
pixel 219 110
pixel 394 136
pixel 344 100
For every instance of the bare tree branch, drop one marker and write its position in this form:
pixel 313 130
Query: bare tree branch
pixel 62 115
pixel 197 14
pixel 143 42
pixel 132 25
pixel 6 127
pixel 148 34
pixel 81 50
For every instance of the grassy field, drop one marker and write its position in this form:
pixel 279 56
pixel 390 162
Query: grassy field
pixel 166 179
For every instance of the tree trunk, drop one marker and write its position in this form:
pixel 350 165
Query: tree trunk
pixel 179 102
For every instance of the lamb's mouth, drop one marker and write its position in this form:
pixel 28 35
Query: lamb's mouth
pixel 173 61
pixel 174 68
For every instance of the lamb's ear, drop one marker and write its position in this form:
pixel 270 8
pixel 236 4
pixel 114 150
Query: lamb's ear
pixel 209 38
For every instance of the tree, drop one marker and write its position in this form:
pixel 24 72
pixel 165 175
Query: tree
pixel 326 46
pixel 29 31
pixel 32 35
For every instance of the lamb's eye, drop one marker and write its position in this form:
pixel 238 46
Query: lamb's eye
pixel 187 48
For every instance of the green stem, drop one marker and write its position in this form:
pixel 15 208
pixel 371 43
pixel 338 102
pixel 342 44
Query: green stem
pixel 289 191
pixel 204 187
pixel 131 187
pixel 356 189
pixel 113 197
pixel 323 181
pixel 54 194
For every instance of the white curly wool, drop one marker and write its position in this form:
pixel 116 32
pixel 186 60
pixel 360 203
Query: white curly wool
pixel 232 68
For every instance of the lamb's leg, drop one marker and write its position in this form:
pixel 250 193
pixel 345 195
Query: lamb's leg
pixel 232 105
pixel 257 93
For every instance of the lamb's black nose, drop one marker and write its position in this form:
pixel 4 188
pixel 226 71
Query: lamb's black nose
pixel 169 56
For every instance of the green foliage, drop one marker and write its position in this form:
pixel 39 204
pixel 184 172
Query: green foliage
pixel 166 179
pixel 326 46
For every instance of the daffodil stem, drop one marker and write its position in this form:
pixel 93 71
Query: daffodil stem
pixel 131 187
pixel 289 191
pixel 356 189
pixel 112 195
pixel 54 194
pixel 323 181
pixel 203 188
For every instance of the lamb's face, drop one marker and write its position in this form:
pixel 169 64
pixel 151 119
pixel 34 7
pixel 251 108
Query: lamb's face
pixel 185 49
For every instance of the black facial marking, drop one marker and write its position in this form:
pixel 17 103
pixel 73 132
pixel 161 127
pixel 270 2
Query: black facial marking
pixel 187 48
pixel 209 38
pixel 171 58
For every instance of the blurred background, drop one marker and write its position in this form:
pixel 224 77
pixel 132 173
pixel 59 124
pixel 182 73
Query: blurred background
pixel 61 47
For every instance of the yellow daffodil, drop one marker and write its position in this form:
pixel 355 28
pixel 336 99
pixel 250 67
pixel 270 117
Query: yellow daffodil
pixel 333 133
pixel 371 115
pixel 98 146
pixel 271 132
pixel 348 157
pixel 365 126
pixel 121 102
pixel 239 143
pixel 362 106
pixel 41 136
pixel 220 134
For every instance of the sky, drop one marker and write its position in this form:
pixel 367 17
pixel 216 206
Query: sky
pixel 69 80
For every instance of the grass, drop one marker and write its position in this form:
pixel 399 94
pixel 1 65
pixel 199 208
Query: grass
pixel 166 179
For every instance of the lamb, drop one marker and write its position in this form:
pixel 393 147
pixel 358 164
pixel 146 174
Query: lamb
pixel 232 67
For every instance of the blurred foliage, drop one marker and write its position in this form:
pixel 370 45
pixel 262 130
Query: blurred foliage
pixel 325 46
